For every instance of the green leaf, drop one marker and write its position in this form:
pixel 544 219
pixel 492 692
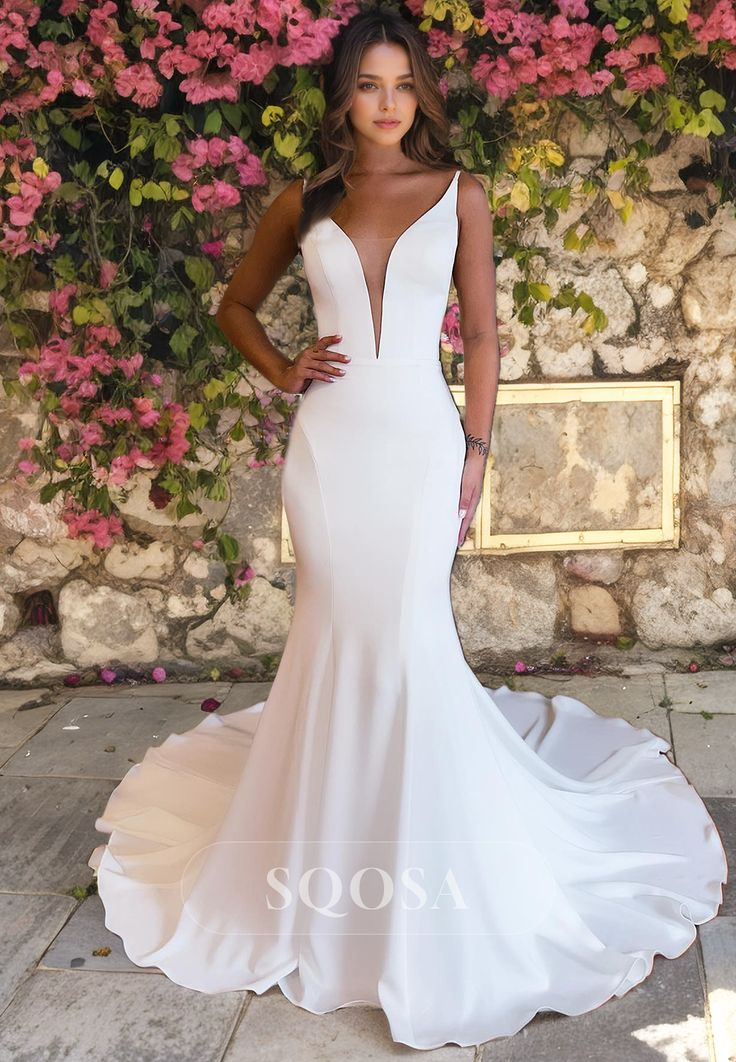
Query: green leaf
pixel 213 388
pixel 213 122
pixel 540 292
pixel 49 490
pixel 233 113
pixel 72 136
pixel 137 144
pixel 184 507
pixel 227 547
pixel 116 178
pixel 287 144
pixel 200 271
pixel 134 192
pixel 181 341
pixel 676 10
pixel 197 416
pixel 711 98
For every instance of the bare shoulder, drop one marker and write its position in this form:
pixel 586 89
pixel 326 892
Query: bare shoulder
pixel 283 211
pixel 471 193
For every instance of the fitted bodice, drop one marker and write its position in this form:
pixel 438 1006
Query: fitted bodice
pixel 387 297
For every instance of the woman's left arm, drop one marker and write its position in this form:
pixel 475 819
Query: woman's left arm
pixel 474 277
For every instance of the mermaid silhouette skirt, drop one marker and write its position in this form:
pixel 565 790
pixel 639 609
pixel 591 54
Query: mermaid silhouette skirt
pixel 382 829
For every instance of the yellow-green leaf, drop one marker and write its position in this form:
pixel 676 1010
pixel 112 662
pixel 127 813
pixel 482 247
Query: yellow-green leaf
pixel 287 145
pixel 213 388
pixel 520 196
pixel 197 416
pixel 711 98
pixel 272 114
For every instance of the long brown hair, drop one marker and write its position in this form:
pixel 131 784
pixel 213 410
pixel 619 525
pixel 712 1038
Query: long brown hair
pixel 427 141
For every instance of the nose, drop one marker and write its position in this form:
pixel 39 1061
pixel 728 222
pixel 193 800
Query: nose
pixel 389 100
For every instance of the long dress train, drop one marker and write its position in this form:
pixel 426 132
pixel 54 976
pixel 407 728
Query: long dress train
pixel 382 829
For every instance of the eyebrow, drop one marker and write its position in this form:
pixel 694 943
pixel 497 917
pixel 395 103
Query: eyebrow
pixel 376 77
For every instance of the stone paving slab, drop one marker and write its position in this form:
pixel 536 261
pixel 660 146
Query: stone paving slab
pixel 102 737
pixel 705 750
pixel 243 695
pixel 83 934
pixel 28 922
pixel 22 714
pixel 94 1017
pixel 47 832
pixel 273 1028
pixel 718 940
pixel 662 1018
pixel 710 691
pixel 723 813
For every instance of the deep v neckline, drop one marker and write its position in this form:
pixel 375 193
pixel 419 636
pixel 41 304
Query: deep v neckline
pixel 394 245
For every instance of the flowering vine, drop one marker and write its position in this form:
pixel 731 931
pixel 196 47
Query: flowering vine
pixel 134 137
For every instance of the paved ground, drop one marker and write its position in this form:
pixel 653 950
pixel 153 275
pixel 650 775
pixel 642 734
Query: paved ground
pixel 62 753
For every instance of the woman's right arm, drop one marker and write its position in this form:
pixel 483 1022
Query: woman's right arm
pixel 273 248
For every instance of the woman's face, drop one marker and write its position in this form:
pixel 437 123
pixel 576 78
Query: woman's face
pixel 384 90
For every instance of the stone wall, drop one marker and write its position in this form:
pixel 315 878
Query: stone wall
pixel 667 281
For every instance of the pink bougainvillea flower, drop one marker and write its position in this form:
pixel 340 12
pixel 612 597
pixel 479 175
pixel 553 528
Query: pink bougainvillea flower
pixel 158 674
pixel 26 443
pixel 72 680
pixel 573 8
pixel 140 83
pixel 645 78
pixel 214 248
pixel 210 704
pixel 60 299
pixel 214 197
pixel 145 414
pixel 130 366
pixel 644 44
pixel 91 524
pixel 244 576
pixel 202 88
pixel 718 25
pixel 108 675
pixel 28 467
pixel 91 435
pixel 519 666
pixel 198 543
pixel 108 272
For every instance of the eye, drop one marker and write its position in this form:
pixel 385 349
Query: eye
pixel 366 84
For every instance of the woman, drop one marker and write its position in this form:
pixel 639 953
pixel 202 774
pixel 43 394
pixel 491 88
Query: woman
pixel 381 829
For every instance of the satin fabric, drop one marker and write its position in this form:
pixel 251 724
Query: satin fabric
pixel 382 829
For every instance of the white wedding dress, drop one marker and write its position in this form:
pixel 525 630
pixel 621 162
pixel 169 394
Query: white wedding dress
pixel 458 857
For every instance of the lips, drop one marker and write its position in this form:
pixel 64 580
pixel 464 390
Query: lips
pixel 388 125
